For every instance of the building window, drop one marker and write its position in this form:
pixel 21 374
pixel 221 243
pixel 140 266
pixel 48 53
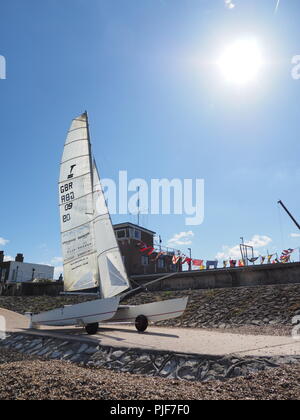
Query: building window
pixel 135 234
pixel 121 234
pixel 3 275
pixel 145 260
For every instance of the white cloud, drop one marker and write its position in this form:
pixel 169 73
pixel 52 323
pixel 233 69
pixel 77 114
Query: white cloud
pixel 58 271
pixel 56 260
pixel 258 241
pixel 182 238
pixel 3 242
pixel 229 4
pixel 229 252
pixel 58 267
pixel 295 235
pixel 8 258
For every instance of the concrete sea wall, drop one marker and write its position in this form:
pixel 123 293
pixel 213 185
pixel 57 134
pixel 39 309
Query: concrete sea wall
pixel 164 364
pixel 270 274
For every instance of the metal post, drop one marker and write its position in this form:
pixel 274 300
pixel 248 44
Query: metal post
pixel 190 263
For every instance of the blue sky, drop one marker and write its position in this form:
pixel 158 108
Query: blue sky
pixel 158 107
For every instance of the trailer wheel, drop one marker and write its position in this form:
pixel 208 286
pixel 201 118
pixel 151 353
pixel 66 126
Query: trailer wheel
pixel 141 323
pixel 92 329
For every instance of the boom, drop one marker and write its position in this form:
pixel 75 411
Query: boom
pixel 291 216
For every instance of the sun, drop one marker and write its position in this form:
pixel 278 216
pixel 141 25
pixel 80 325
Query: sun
pixel 241 62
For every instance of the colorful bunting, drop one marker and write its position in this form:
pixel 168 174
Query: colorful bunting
pixel 183 259
pixel 285 258
pixel 270 257
pixel 288 251
pixel 159 254
pixel 253 260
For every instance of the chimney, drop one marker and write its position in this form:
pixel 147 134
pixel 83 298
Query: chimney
pixel 19 258
pixel 1 256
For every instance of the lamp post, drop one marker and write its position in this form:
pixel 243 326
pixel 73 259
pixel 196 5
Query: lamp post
pixel 190 263
pixel 244 251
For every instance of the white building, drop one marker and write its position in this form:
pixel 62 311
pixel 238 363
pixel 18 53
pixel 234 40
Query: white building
pixel 19 272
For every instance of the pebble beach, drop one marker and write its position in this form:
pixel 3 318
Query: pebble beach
pixel 30 378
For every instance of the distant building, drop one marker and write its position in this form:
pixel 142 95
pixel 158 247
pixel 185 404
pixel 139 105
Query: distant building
pixel 19 272
pixel 129 237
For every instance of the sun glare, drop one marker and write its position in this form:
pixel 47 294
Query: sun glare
pixel 241 62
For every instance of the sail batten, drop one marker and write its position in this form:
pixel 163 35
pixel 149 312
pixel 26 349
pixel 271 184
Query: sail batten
pixel 90 250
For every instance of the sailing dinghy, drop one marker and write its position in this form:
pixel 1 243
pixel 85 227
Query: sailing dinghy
pixel 91 255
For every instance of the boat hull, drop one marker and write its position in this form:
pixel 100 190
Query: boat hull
pixel 109 311
pixel 81 314
pixel 154 312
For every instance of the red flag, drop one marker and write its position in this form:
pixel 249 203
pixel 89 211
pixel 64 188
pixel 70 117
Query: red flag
pixel 141 244
pixel 185 260
pixel 149 250
pixel 198 263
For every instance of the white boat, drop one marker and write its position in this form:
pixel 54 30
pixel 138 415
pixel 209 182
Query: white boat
pixel 91 255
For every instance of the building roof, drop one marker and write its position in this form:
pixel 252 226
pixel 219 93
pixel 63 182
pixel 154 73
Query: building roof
pixel 133 226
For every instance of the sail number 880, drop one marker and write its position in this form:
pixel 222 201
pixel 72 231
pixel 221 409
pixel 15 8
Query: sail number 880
pixel 66 218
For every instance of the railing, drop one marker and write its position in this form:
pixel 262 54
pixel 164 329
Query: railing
pixel 167 250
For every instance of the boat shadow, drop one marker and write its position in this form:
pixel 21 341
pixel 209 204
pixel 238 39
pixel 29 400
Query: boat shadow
pixel 105 332
pixel 134 332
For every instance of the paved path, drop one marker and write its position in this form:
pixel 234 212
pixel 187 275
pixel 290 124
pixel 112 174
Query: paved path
pixel 180 340
pixel 13 321
pixel 199 341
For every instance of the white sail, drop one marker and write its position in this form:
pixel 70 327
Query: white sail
pixel 90 250
pixel 76 210
pixel 113 277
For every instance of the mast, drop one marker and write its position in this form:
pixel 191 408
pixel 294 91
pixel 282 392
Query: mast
pixel 90 148
pixel 138 203
pixel 92 164
pixel 291 216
